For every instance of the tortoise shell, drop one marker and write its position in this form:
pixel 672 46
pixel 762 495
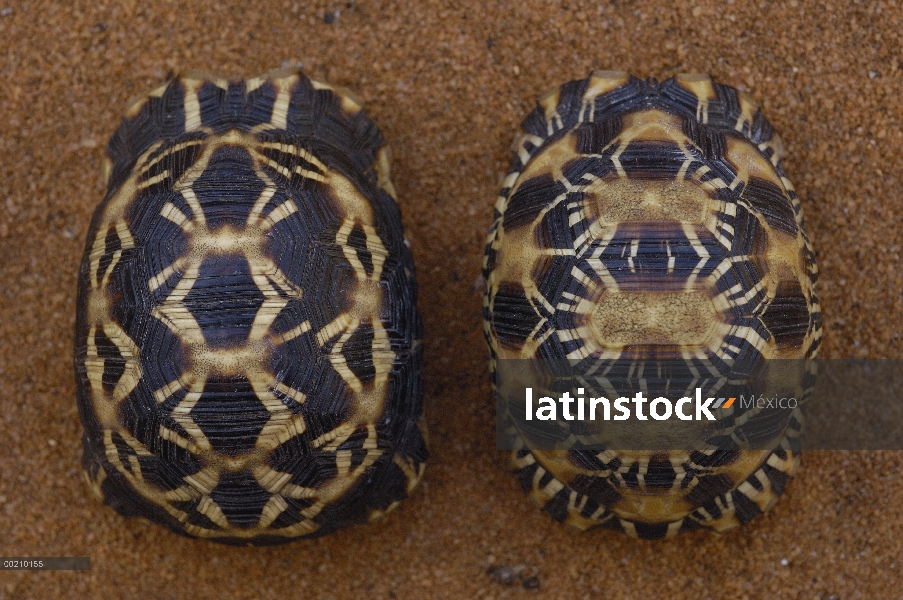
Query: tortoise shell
pixel 248 346
pixel 646 220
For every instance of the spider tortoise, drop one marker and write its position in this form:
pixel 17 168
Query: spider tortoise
pixel 645 220
pixel 248 349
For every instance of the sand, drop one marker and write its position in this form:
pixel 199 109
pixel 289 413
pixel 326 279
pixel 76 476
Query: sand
pixel 448 83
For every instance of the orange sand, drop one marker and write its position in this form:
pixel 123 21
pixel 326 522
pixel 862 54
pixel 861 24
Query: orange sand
pixel 448 83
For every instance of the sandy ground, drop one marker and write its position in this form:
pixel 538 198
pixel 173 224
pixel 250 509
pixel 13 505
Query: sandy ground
pixel 448 83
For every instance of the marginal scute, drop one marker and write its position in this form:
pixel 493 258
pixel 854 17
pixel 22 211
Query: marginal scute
pixel 644 219
pixel 772 203
pixel 235 357
pixel 549 103
pixel 748 110
pixel 517 317
pixel 787 315
pixel 699 85
pixel 602 82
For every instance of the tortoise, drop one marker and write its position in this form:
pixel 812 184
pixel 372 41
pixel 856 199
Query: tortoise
pixel 248 346
pixel 641 221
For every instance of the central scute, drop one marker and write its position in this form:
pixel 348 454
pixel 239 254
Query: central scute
pixel 685 319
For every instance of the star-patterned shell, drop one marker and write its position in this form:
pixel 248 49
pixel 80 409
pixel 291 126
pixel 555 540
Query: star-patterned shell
pixel 247 342
pixel 642 221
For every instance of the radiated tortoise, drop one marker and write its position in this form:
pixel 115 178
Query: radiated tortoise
pixel 248 348
pixel 642 221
